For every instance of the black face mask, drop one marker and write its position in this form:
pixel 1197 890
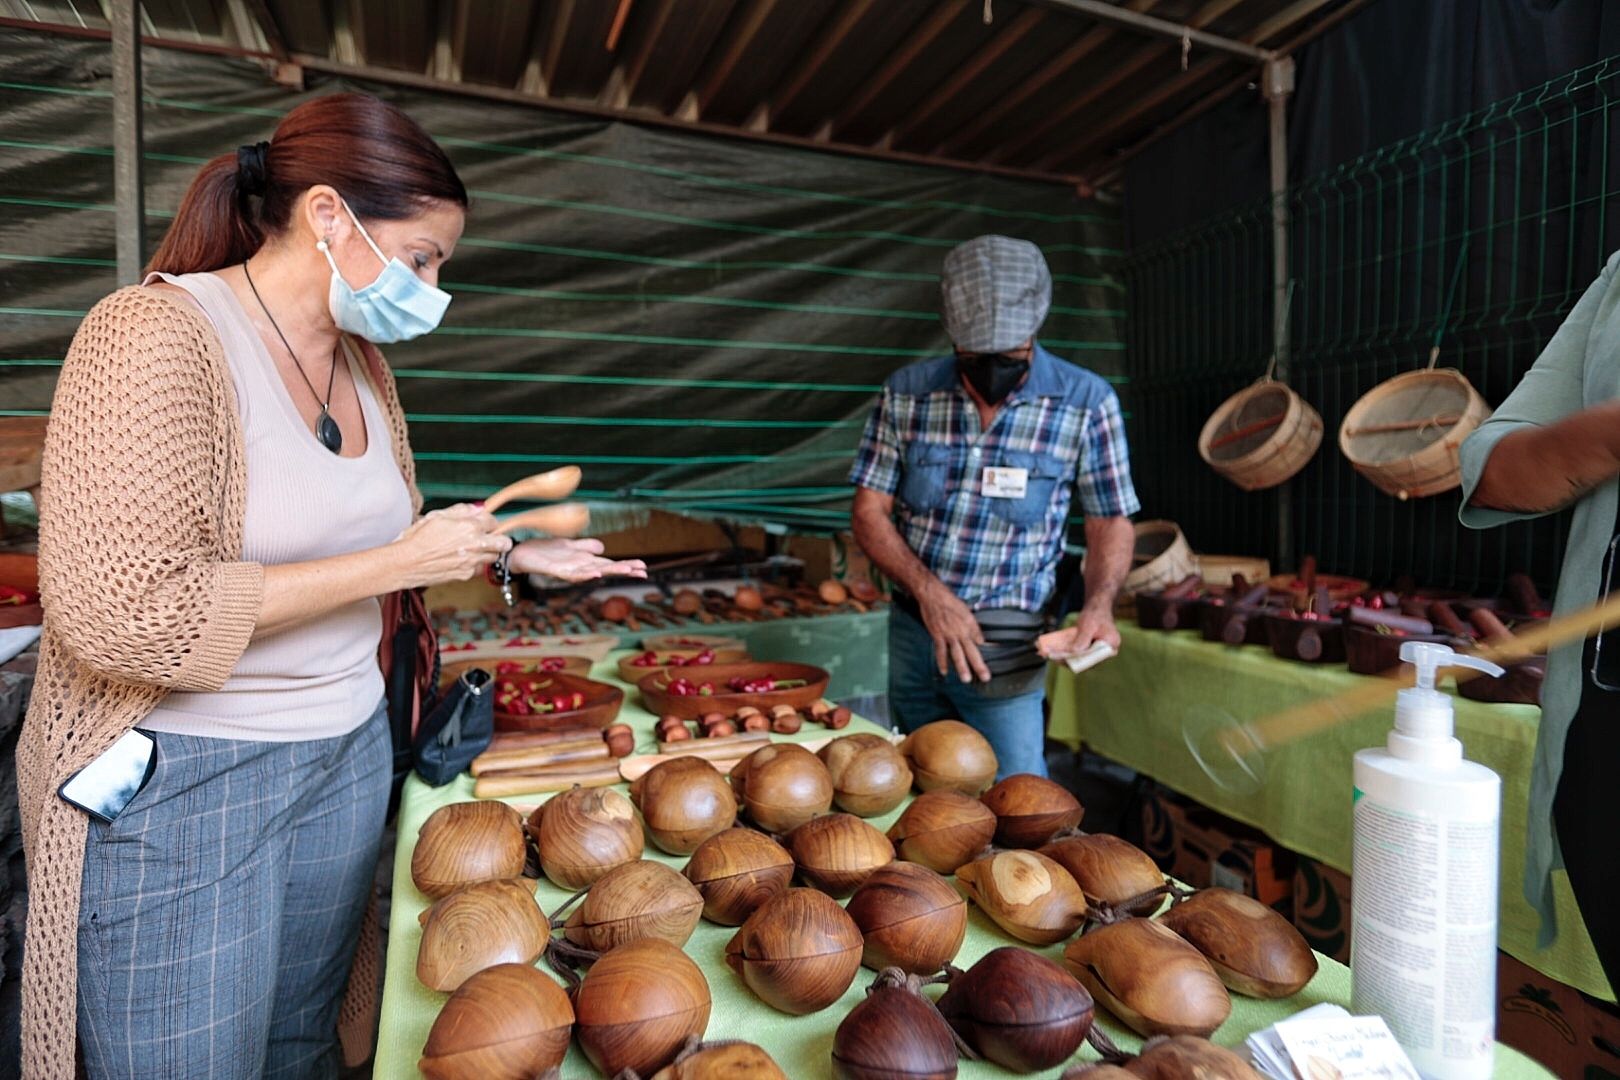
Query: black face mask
pixel 993 375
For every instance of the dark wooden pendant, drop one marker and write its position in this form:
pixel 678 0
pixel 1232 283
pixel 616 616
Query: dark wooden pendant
pixel 327 431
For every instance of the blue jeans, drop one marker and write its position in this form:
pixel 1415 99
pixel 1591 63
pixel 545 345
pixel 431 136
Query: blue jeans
pixel 919 694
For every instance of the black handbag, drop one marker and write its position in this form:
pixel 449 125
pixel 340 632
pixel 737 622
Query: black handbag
pixel 458 728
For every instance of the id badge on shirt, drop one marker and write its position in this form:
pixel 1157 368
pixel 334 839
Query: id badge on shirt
pixel 1002 483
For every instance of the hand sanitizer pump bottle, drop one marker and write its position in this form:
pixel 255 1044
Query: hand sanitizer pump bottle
pixel 1424 881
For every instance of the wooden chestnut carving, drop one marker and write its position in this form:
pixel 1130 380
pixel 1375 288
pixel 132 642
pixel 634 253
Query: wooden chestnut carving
pixel 465 843
pixel 869 776
pixel 837 852
pixel 1181 1056
pixel 893 1033
pixel 1150 978
pixel 638 1005
pixel 1019 1009
pixel 1253 949
pixel 1110 870
pixel 1030 810
pixel 1096 1071
pixel 724 1059
pixel 640 899
pixel 909 918
pixel 583 833
pixel 943 830
pixel 799 952
pixel 950 754
pixel 782 786
pixel 508 1022
pixel 489 923
pixel 1028 895
pixel 737 871
pixel 683 802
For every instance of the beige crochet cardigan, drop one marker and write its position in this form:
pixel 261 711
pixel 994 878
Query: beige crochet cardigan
pixel 144 591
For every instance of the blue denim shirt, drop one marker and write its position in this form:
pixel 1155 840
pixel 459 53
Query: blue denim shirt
pixel 923 444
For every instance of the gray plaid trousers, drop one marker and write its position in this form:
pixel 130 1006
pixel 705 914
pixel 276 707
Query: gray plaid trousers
pixel 220 911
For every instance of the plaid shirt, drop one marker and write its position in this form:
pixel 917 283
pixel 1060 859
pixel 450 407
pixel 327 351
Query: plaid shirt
pixel 923 445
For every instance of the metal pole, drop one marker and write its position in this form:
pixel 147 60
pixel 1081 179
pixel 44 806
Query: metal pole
pixel 1278 85
pixel 1148 24
pixel 129 203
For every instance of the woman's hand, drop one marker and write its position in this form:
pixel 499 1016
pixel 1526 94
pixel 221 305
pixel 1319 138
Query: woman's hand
pixel 452 544
pixel 571 560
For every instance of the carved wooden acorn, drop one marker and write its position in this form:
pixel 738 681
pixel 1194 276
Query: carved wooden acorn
pixel 894 1033
pixel 488 923
pixel 737 871
pixel 909 918
pixel 723 1059
pixel 837 852
pixel 508 1022
pixel 683 802
pixel 1028 895
pixel 583 833
pixel 1019 1009
pixel 1030 810
pixel 869 775
pixel 1109 870
pixel 950 754
pixel 1181 1056
pixel 638 1006
pixel 641 899
pixel 799 952
pixel 1150 978
pixel 942 830
pixel 1253 949
pixel 465 843
pixel 782 786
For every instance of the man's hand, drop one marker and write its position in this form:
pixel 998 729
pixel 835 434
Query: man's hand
pixel 571 560
pixel 955 632
pixel 1094 625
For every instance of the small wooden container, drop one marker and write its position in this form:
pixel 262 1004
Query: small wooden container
pixel 1314 641
pixel 631 672
pixel 602 704
pixel 1404 434
pixel 659 701
pixel 1261 436
pixel 1161 559
pixel 450 671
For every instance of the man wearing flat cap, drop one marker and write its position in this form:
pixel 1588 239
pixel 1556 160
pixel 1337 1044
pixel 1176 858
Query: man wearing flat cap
pixel 964 479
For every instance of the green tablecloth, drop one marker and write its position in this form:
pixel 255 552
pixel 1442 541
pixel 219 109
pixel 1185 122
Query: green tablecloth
pixel 1304 803
pixel 801 1045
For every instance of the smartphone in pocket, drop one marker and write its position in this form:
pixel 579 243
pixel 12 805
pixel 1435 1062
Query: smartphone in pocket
pixel 108 784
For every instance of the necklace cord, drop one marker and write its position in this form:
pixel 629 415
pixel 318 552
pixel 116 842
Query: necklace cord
pixel 331 379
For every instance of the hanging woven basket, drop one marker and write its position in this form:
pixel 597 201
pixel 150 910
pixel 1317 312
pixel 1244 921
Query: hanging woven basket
pixel 1261 436
pixel 1162 557
pixel 1404 434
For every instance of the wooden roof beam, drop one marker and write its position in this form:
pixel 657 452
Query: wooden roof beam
pixel 1059 65
pixel 1110 80
pixel 827 43
pixel 903 57
pixel 1189 32
pixel 968 73
pixel 748 28
pixel 636 65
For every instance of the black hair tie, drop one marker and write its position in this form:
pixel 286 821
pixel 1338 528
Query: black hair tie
pixel 252 173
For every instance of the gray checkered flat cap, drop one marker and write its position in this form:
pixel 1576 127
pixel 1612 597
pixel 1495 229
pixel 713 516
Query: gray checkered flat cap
pixel 996 293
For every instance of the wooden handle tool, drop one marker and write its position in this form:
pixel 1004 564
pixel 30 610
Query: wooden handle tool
pixel 564 519
pixel 527 740
pixel 537 757
pixel 494 787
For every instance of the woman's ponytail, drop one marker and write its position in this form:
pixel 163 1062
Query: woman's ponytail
pixel 215 225
pixel 378 158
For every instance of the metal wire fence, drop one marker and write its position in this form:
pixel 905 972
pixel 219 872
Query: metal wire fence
pixel 1475 237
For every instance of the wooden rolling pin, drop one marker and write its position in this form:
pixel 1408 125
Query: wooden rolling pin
pixel 605 774
pixel 1183 588
pixel 1445 617
pixel 537 757
pixel 1489 626
pixel 503 741
pixel 743 742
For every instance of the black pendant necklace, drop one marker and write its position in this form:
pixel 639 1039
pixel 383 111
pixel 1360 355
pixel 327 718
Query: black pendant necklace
pixel 326 428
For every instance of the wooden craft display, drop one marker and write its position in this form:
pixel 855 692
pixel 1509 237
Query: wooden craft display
pixel 1404 434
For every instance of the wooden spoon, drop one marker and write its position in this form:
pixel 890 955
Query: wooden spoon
pixel 541 487
pixel 563 519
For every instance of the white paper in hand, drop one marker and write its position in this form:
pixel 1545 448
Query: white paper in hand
pixel 1096 654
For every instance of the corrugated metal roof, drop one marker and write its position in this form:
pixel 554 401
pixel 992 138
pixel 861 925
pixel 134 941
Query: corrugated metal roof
pixel 1040 87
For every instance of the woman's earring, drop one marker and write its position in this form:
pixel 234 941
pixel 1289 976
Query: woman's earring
pixel 323 244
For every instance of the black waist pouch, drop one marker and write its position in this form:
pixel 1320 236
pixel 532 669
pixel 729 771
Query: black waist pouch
pixel 458 728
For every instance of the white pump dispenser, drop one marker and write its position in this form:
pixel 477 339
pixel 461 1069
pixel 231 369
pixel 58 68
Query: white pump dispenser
pixel 1424 881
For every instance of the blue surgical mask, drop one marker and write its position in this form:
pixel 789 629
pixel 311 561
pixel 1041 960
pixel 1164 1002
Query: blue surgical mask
pixel 397 306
